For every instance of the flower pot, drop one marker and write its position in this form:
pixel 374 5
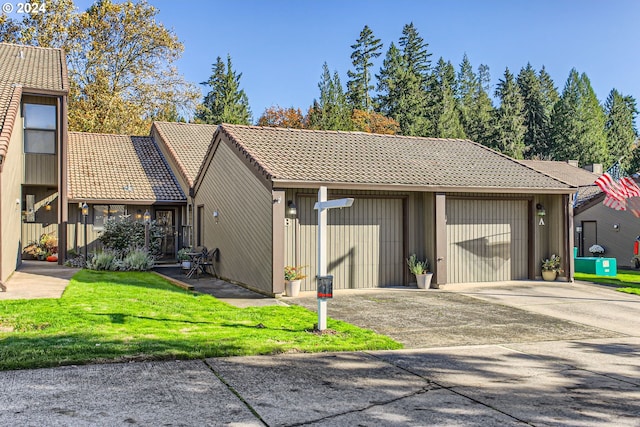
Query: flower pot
pixel 424 280
pixel 549 275
pixel 186 265
pixel 292 287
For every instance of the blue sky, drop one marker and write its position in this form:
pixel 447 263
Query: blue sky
pixel 279 46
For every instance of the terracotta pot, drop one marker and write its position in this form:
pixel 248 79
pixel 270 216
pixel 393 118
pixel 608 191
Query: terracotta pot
pixel 549 275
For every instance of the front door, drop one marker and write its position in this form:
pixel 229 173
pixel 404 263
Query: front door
pixel 166 222
pixel 589 237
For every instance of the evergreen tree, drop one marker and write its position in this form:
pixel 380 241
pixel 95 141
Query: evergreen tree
pixel 510 128
pixel 475 103
pixel 225 102
pixel 467 86
pixel 365 49
pixel 620 129
pixel 402 83
pixel 535 119
pixel 332 111
pixel 578 123
pixel 550 97
pixel 444 112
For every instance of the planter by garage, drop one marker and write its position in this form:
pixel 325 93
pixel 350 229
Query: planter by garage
pixel 549 275
pixel 292 287
pixel 424 280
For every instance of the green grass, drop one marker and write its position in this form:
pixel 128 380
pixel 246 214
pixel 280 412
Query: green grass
pixel 117 316
pixel 625 281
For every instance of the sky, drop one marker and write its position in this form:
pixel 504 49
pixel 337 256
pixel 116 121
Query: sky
pixel 279 46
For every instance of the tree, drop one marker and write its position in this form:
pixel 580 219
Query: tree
pixel 620 129
pixel 535 119
pixel 467 86
pixel 372 122
pixel 276 116
pixel 510 128
pixel 402 83
pixel 578 123
pixel 331 111
pixel 120 63
pixel 365 49
pixel 444 112
pixel 225 102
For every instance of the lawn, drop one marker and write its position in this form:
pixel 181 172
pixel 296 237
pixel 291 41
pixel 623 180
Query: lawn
pixel 626 280
pixel 124 316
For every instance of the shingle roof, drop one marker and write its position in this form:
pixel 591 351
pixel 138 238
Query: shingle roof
pixel 28 67
pixel 563 171
pixel 119 167
pixel 573 175
pixel 363 158
pixel 188 144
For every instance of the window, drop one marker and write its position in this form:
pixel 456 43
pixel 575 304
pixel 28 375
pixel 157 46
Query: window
pixel 40 128
pixel 103 213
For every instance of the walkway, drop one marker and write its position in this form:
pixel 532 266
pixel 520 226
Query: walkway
pixel 37 279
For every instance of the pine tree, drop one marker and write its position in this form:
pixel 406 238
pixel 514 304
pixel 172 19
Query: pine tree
pixel 402 83
pixel 578 123
pixel 365 49
pixel 620 129
pixel 535 119
pixel 510 128
pixel 467 86
pixel 444 111
pixel 225 102
pixel 331 111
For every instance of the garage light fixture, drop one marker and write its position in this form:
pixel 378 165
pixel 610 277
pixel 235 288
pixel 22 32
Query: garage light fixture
pixel 292 208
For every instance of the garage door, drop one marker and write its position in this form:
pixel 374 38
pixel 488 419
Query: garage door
pixel 487 240
pixel 364 243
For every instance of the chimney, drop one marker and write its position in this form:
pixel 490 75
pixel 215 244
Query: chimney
pixel 573 163
pixel 595 168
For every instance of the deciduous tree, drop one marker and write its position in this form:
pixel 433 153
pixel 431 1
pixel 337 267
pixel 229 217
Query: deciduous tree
pixel 276 116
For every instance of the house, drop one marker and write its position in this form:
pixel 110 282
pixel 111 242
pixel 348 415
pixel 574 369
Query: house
pixel 33 149
pixel 120 176
pixel 474 213
pixel 184 146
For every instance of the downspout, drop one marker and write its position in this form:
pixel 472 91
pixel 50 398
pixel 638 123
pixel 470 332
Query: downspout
pixel 3 288
pixel 192 195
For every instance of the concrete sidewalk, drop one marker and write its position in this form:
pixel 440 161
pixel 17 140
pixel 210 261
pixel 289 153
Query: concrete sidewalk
pixel 37 279
pixel 575 383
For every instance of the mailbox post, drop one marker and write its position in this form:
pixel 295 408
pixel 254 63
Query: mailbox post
pixel 322 205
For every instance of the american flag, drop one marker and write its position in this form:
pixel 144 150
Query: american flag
pixel 620 194
pixel 611 188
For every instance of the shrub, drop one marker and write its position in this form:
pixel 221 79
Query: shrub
pixel 124 236
pixel 138 260
pixel 102 261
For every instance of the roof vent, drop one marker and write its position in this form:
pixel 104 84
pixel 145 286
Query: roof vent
pixel 128 187
pixel 21 54
pixel 595 168
pixel 573 163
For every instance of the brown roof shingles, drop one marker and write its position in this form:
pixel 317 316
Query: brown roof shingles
pixel 34 69
pixel 188 144
pixel 563 171
pixel 363 158
pixel 120 168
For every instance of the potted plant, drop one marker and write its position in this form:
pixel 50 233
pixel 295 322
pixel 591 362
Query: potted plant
pixel 596 250
pixel 183 257
pixel 551 268
pixel 421 270
pixel 292 278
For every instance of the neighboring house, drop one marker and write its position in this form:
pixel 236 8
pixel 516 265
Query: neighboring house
pixel 121 176
pixel 33 132
pixel 185 146
pixel 474 213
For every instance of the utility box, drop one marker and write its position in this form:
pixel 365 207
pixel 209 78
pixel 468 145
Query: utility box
pixel 325 287
pixel 597 266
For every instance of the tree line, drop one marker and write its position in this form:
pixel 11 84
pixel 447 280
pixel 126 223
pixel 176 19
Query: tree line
pixel 122 77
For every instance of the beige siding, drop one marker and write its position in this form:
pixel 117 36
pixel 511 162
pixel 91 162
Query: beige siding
pixel 243 229
pixel 11 209
pixel 364 242
pixel 40 169
pixel 487 240
pixel 617 242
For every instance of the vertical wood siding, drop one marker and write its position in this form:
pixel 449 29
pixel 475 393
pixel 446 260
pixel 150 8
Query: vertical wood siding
pixel 364 242
pixel 40 169
pixel 243 231
pixel 487 240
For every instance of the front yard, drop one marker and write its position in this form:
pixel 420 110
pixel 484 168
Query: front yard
pixel 120 316
pixel 625 281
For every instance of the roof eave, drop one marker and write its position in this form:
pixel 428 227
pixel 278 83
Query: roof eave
pixel 126 201
pixel 284 183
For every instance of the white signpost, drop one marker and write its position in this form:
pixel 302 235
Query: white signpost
pixel 322 205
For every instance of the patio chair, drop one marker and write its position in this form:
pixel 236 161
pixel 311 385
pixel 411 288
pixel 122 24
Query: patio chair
pixel 208 261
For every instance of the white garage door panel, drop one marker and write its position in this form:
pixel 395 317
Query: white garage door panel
pixel 486 240
pixel 364 243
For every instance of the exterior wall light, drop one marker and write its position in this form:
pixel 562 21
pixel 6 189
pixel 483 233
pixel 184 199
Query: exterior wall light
pixel 47 207
pixel 146 217
pixel 138 214
pixel 540 209
pixel 292 208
